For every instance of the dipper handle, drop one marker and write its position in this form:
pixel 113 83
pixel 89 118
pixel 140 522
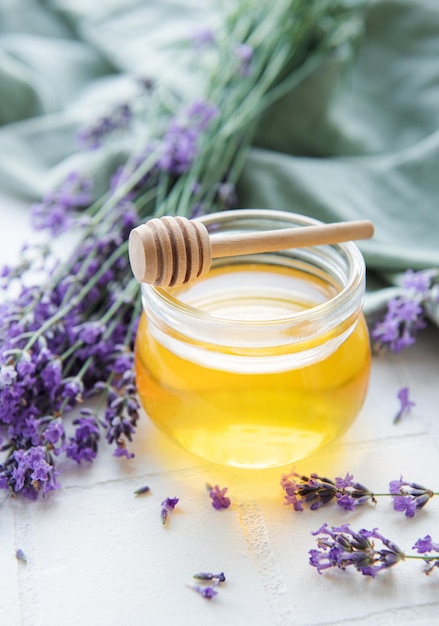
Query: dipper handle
pixel 171 251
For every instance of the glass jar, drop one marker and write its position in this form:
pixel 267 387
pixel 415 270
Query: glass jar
pixel 266 358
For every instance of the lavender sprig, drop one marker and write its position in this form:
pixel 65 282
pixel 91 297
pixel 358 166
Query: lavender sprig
pixel 20 556
pixel 406 404
pixel 59 208
pixel 93 136
pixel 342 547
pixel 207 591
pixel 168 505
pixel 218 497
pixel 316 491
pixel 209 576
pixel 406 314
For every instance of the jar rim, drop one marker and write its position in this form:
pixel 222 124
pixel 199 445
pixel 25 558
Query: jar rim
pixel 354 280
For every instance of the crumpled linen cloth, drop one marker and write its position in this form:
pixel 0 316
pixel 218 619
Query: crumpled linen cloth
pixel 353 141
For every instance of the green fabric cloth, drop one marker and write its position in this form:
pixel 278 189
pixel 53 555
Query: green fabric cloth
pixel 352 141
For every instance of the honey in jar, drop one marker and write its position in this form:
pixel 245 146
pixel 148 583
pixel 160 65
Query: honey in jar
pixel 265 359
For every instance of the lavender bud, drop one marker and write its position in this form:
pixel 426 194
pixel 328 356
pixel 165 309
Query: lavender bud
pixel 20 555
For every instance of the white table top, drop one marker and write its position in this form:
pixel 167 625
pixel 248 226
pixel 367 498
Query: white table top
pixel 98 555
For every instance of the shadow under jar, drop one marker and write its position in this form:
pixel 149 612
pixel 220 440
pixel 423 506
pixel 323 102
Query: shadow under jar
pixel 266 358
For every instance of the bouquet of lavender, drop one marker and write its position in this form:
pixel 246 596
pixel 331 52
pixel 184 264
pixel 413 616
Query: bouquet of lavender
pixel 67 327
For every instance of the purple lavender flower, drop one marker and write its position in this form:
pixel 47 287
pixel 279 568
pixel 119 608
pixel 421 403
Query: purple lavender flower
pixel 32 472
pixel 180 143
pixel 209 576
pixel 34 387
pixel 51 376
pixel 20 556
pixel 291 486
pixel 342 547
pixel 426 545
pixel 219 498
pixel 7 276
pixel 419 282
pixel 178 150
pixel 405 314
pixel 30 430
pixel 54 432
pixel 406 404
pixel 5 271
pixel 208 591
pixel 55 218
pixel 72 391
pixel 423 546
pixel 202 37
pixel 351 494
pixel 7 376
pixel 409 498
pixel 84 445
pixel 93 136
pixel 205 592
pixel 244 53
pixel 316 491
pixel 25 367
pixel 122 450
pixel 168 505
pixel 89 332
pixel 200 113
pixel 122 411
pixel 57 209
pixel 400 325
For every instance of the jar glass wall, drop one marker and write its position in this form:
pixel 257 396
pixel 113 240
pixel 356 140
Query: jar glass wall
pixel 266 358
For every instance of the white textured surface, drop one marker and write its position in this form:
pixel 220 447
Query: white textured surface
pixel 97 555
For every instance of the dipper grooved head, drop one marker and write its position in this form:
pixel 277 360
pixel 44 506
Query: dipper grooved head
pixel 169 251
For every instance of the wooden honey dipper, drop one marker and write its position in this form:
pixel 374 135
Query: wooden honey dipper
pixel 172 251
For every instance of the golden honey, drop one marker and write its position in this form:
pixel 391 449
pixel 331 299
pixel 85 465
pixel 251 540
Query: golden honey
pixel 253 367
